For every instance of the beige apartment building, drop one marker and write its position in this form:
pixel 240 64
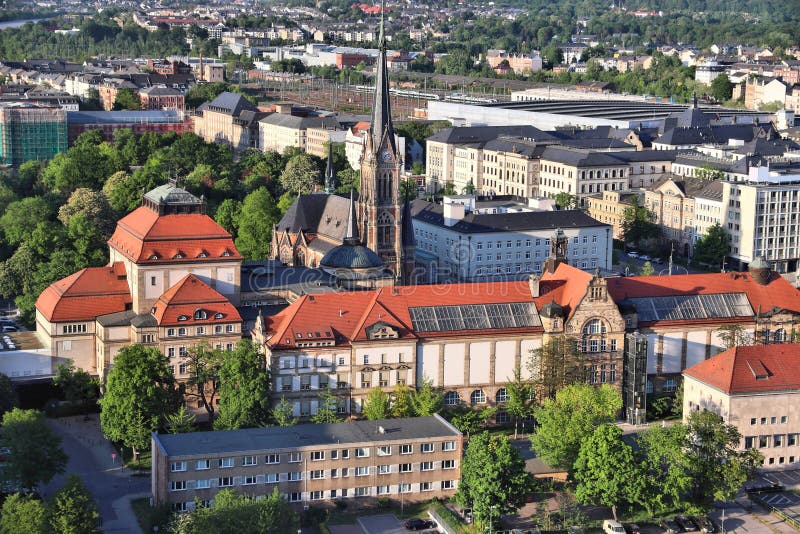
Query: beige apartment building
pixel 228 119
pixel 580 173
pixel 609 207
pixel 510 167
pixel 671 201
pixel 757 390
pixel 412 459
pixel 281 130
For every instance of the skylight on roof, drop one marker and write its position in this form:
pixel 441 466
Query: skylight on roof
pixel 474 317
pixel 686 307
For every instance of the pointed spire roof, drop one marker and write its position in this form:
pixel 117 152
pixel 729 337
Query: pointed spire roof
pixel 351 231
pixel 381 112
pixel 330 174
pixel 407 236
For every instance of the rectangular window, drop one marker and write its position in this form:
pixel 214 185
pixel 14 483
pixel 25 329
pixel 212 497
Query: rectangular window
pixel 345 454
pixel 271 478
pixel 294 497
pixel 345 472
pixel 777 440
pixel 426 486
pixel 384 469
pixel 791 440
pixel 362 492
pixel 316 495
pixel 177 485
pixel 295 457
pixel 249 460
pixel 449 446
pixel 295 476
pixel 383 490
pixel 448 484
pixel 317 456
pixel 406 449
pixel 362 471
pixel 448 464
pixel 405 488
pixel 225 462
pixel 405 468
pixel 201 330
pixel 426 466
pixel 317 474
pixel 784 419
pixel 362 452
pixel 225 482
pixel 384 450
pixel 249 480
pixel 272 459
pixel 170 332
pixel 763 441
pixel 202 465
pixel 427 447
pixel 334 473
pixel 202 483
pixel 177 466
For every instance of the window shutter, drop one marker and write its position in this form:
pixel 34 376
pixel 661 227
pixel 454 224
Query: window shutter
pixel 191 484
pixel 283 477
pixel 259 479
pixel 237 481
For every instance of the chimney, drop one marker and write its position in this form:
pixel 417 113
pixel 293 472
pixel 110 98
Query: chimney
pixel 453 213
pixel 533 284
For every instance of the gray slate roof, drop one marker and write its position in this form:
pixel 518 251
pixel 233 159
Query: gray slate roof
pixel 581 158
pixel 292 437
pixel 293 121
pixel 229 103
pixel 432 213
pixel 483 134
pixel 320 213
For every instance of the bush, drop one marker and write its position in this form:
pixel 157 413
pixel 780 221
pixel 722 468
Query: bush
pixel 384 502
pixel 340 505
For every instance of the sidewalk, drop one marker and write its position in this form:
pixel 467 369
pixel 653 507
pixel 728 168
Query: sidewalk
pixel 88 434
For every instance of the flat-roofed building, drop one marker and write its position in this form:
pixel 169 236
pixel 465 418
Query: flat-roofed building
pixel 415 459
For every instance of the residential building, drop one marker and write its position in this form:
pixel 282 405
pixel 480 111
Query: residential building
pixel 510 167
pixel 318 138
pixel 281 130
pixel 756 389
pixel 138 122
pixel 229 119
pixel 415 459
pixel 161 97
pixel 581 173
pixel 519 63
pixel 671 200
pixel 708 208
pixel 109 89
pixel 609 207
pixel 31 132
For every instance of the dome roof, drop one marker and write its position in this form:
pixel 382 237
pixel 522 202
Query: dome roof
pixel 350 256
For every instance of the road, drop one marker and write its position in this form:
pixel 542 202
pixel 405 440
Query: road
pixel 90 458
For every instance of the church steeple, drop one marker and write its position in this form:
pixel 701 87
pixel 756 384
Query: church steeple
pixel 330 173
pixel 381 125
pixel 351 230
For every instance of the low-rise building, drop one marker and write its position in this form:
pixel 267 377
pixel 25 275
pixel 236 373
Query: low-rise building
pixel 161 97
pixel 412 458
pixel 757 390
pixel 281 130
pixel 229 119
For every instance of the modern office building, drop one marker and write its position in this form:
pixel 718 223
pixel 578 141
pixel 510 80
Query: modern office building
pixel 413 459
pixel 31 132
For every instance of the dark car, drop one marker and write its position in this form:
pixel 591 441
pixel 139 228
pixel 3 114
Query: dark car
pixel 670 526
pixel 763 486
pixel 631 528
pixel 418 524
pixel 686 524
pixel 705 523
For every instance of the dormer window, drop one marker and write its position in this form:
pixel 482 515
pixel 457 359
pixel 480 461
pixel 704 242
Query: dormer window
pixel 153 257
pixel 226 253
pixel 177 256
pixel 202 254
pixel 183 318
pixel 200 315
pixel 217 315
pixel 299 335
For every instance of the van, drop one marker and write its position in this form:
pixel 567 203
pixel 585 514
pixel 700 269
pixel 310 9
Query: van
pixel 613 527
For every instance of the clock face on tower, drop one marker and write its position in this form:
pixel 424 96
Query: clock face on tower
pixel 386 155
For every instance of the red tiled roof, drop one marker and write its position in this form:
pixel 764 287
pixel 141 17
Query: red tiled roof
pixel 145 237
pixel 751 369
pixel 778 293
pixel 189 295
pixel 86 294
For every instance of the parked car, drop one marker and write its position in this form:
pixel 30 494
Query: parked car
pixel 613 527
pixel 686 524
pixel 705 523
pixel 644 257
pixel 657 261
pixel 631 528
pixel 418 524
pixel 9 328
pixel 670 526
pixel 633 254
pixel 763 486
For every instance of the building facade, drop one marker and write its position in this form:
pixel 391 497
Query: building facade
pixel 609 207
pixel 229 119
pixel 413 459
pixel 31 132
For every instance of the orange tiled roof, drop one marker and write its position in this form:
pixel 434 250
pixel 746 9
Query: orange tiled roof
pixel 145 237
pixel 86 294
pixel 778 293
pixel 751 369
pixel 189 295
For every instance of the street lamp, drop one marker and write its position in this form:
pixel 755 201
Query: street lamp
pixel 491 515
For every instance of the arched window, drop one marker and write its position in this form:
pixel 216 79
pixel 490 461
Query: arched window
pixel 502 395
pixel 594 326
pixel 385 230
pixel 779 336
pixel 477 397
pixel 199 315
pixel 452 398
pixel 502 417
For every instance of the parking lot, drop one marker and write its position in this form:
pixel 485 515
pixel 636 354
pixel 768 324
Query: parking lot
pixel 385 524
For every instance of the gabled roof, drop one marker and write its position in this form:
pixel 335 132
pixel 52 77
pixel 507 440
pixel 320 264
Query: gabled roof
pixel 180 303
pixel 86 294
pixel 230 104
pixel 319 214
pixel 753 369
pixel 145 237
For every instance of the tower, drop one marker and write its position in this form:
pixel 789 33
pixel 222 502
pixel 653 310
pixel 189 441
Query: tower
pixel 330 173
pixel 379 204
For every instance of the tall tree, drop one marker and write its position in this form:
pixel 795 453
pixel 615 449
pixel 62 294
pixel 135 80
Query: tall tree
pixel 127 100
pixel 521 397
pixel 283 413
pixel 8 395
pixel 647 269
pixel 234 512
pixel 427 399
pixel 376 405
pixel 73 510
pixel 573 415
pixel 401 401
pixel 713 246
pixel 493 482
pixel 244 389
pixel 180 422
pixel 22 514
pixel 557 363
pixel 606 470
pixel 203 366
pixel 78 386
pixel 140 392
pixel 326 408
pixel 722 88
pixel 255 224
pixel 734 335
pixel 662 467
pixel 638 225
pixel 470 420
pixel 36 455
pixel 300 175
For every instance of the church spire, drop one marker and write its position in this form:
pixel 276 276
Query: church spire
pixel 330 174
pixel 351 230
pixel 381 113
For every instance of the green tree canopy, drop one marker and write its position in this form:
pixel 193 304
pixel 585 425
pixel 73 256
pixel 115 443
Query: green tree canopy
pixel 376 405
pixel 78 386
pixel 255 221
pixel 521 396
pixel 73 510
pixel 570 417
pixel 36 455
pixel 493 482
pixel 127 100
pixel 557 363
pixel 713 246
pixel 244 389
pixel 638 225
pixel 180 422
pixel 23 514
pixel 327 408
pixel 203 367
pixel 8 395
pixel 722 88
pixel 140 393
pixel 301 174
pixel 283 413
pixel 427 399
pixel 401 401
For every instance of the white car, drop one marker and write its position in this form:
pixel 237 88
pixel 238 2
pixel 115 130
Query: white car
pixel 644 257
pixel 633 254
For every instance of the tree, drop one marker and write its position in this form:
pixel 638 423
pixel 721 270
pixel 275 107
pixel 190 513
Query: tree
pixel 326 408
pixel 78 386
pixel 713 246
pixel 8 395
pixel 566 420
pixel 637 224
pixel 606 470
pixel 470 420
pixel 662 467
pixel 376 405
pixel 566 201
pixel 180 422
pixel 715 467
pixel 427 399
pixel 203 366
pixel 73 510
pixel 521 395
pixel 401 401
pixel 126 99
pixel 21 217
pixel 255 222
pixel 35 451
pixel 493 482
pixel 234 512
pixel 647 269
pixel 556 364
pixel 94 205
pixel 22 514
pixel 722 88
pixel 140 392
pixel 734 335
pixel 300 175
pixel 227 215
pixel 244 389
pixel 283 413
